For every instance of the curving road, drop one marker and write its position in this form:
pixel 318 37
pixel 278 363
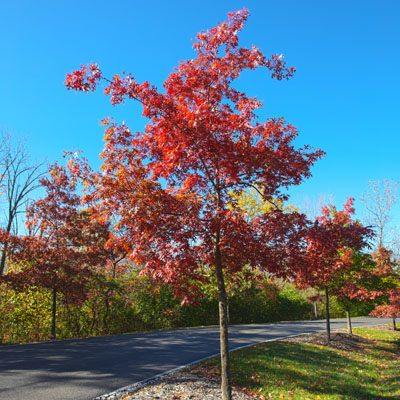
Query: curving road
pixel 82 369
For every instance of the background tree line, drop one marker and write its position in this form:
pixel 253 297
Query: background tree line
pixel 62 280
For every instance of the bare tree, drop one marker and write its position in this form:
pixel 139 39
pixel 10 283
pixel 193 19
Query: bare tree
pixel 379 200
pixel 18 178
pixel 3 152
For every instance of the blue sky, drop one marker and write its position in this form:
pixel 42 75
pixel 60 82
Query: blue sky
pixel 343 99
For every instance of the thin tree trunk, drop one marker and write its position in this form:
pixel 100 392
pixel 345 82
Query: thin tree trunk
pixel 316 310
pixel 223 327
pixel 349 330
pixel 94 321
pixel 3 260
pixel 394 324
pixel 107 305
pixel 328 321
pixel 4 252
pixel 53 319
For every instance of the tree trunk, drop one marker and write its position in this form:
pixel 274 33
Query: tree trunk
pixel 106 312
pixel 394 324
pixel 316 310
pixel 53 319
pixel 94 321
pixel 328 321
pixel 349 330
pixel 4 252
pixel 3 260
pixel 223 328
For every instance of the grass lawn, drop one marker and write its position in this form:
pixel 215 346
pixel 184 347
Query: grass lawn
pixel 366 366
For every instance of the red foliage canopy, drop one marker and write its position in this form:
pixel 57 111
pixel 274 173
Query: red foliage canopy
pixel 390 310
pixel 386 270
pixel 169 187
pixel 62 244
pixel 331 242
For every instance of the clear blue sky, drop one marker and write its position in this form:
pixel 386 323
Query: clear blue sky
pixel 344 97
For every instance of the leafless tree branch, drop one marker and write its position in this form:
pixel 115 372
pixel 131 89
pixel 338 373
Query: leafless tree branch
pixel 19 177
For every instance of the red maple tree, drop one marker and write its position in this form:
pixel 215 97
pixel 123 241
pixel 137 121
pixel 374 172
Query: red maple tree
pixel 169 188
pixel 61 246
pixel 391 309
pixel 331 243
pixel 359 284
pixel 389 285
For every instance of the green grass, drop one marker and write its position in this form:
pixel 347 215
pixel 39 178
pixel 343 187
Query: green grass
pixel 291 370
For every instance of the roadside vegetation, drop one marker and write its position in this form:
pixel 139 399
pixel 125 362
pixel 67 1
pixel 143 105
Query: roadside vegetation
pixel 362 366
pixel 131 303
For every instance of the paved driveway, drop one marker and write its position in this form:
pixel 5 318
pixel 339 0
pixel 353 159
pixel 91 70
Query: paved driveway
pixel 85 368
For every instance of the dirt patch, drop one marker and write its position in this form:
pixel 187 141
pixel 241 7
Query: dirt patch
pixel 388 327
pixel 339 340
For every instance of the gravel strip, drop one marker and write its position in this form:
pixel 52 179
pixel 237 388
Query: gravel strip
pixel 179 385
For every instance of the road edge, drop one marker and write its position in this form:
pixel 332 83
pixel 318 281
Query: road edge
pixel 119 393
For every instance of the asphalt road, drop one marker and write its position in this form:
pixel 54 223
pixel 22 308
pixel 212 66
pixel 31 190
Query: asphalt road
pixel 83 369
